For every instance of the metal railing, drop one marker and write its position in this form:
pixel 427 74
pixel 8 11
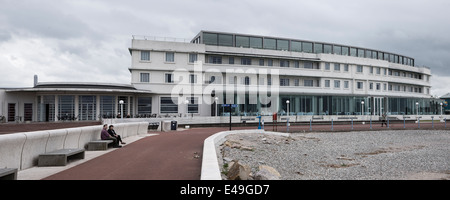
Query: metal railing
pixel 157 38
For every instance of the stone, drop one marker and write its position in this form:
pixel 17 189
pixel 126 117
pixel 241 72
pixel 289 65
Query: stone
pixel 267 173
pixel 239 171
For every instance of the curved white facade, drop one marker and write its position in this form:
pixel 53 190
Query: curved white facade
pixel 317 78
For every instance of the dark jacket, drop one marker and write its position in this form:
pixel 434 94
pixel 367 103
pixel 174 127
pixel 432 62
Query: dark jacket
pixel 112 132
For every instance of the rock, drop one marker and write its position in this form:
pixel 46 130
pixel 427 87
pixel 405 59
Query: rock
pixel 239 172
pixel 267 173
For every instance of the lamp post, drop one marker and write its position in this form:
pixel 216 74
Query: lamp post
pixel 441 107
pixel 362 107
pixel 287 103
pixel 121 109
pixel 187 107
pixel 216 99
pixel 417 109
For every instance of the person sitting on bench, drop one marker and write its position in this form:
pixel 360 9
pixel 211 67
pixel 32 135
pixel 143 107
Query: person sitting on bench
pixel 114 134
pixel 105 136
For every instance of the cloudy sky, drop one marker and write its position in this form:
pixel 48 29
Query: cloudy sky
pixel 87 41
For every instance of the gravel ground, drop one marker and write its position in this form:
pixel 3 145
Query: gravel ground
pixel 374 155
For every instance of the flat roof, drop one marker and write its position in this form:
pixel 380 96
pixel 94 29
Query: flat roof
pixel 79 87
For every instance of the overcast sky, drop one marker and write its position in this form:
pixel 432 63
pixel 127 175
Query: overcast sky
pixel 87 41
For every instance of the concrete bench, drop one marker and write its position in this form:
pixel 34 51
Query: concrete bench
pixel 99 145
pixel 8 174
pixel 59 157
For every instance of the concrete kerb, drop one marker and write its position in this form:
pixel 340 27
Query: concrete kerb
pixel 210 163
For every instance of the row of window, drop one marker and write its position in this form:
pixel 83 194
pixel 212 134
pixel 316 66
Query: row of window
pixel 169 57
pixel 214 59
pixel 169 78
pixel 298 46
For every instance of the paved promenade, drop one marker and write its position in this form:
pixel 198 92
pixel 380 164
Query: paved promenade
pixel 174 155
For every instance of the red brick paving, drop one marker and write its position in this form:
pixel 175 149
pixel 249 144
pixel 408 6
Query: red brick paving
pixel 168 156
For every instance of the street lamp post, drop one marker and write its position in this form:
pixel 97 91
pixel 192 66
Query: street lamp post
pixel 187 107
pixel 362 107
pixel 121 109
pixel 441 107
pixel 216 99
pixel 287 103
pixel 417 110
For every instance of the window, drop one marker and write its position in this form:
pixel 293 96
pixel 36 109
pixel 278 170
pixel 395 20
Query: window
pixel 255 42
pixel 66 107
pixel 307 47
pixel 169 78
pixel 145 77
pixel 359 85
pixel 192 57
pixel 327 66
pixel 215 59
pixel 359 68
pixel 193 104
pixel 345 51
pixel 296 64
pixel 378 70
pixel 270 62
pixel 107 105
pixel 368 54
pixel 210 38
pixel 296 46
pixel 337 67
pixel 353 52
pixel 308 83
pixel 231 80
pixel 337 50
pixel 361 53
pixel 225 40
pixel 327 49
pixel 170 57
pixel 247 80
pixel 284 63
pixel 169 105
pixel 346 67
pixel 327 83
pixel 144 105
pixel 242 41
pixel 261 62
pixel 284 82
pixel 269 81
pixel 246 61
pixel 282 45
pixel 318 48
pixel 269 43
pixel 296 82
pixel 371 86
pixel 231 60
pixel 378 86
pixel 337 84
pixel 192 78
pixel 346 84
pixel 145 55
pixel 308 65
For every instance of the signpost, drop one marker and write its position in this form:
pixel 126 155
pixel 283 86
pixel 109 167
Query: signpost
pixel 230 106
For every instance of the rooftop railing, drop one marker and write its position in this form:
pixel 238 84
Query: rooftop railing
pixel 157 38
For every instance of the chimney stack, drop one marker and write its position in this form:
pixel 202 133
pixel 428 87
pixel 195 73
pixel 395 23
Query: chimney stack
pixel 35 80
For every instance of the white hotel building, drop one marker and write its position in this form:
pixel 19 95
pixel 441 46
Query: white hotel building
pixel 317 78
pixel 258 74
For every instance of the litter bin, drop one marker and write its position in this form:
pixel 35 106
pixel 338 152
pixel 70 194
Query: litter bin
pixel 173 125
